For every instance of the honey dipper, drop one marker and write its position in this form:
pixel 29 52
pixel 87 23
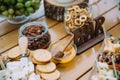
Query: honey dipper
pixel 60 53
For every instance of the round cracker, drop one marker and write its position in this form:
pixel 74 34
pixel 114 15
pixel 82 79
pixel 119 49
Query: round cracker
pixel 51 76
pixel 14 52
pixel 47 68
pixel 37 62
pixel 42 55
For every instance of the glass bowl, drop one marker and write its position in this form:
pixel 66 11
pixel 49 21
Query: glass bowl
pixel 19 19
pixel 41 40
pixel 69 53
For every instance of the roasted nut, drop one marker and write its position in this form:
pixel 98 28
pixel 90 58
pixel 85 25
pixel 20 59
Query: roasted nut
pixel 36 42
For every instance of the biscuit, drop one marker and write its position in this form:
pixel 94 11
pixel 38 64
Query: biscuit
pixel 42 56
pixel 51 76
pixel 47 68
pixel 14 53
pixel 37 62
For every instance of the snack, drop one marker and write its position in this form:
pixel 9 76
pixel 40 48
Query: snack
pixel 37 34
pixel 51 76
pixel 105 73
pixel 112 48
pixel 33 30
pixel 37 62
pixel 42 56
pixel 15 53
pixel 76 16
pixel 46 68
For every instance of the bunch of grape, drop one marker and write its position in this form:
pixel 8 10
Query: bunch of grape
pixel 12 8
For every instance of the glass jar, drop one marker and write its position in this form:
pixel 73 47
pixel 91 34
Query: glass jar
pixel 77 15
pixel 37 34
pixel 19 19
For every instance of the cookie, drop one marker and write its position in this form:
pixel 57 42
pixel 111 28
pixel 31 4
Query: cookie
pixel 47 68
pixel 14 53
pixel 51 76
pixel 42 55
pixel 37 62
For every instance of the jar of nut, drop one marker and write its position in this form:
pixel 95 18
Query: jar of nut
pixel 37 34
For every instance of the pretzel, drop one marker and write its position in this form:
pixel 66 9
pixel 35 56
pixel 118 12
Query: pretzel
pixel 76 17
pixel 77 22
pixel 67 17
pixel 83 18
pixel 76 8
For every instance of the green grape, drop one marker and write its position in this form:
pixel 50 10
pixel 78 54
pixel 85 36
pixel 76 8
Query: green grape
pixel 5 13
pixel 30 10
pixel 38 1
pixel 26 13
pixel 18 13
pixel 33 2
pixel 2 8
pixel 6 1
pixel 11 11
pixel 22 10
pixel 36 7
pixel 20 1
pixel 12 1
pixel 19 5
pixel 28 4
pixel 10 17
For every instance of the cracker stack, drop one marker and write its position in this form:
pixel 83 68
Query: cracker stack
pixel 44 66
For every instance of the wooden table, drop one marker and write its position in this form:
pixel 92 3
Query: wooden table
pixel 80 67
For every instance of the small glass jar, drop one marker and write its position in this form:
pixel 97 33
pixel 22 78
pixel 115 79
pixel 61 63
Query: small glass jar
pixel 36 41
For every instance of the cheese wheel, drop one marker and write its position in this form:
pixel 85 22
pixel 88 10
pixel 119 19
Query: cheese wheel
pixel 47 68
pixel 42 55
pixel 51 76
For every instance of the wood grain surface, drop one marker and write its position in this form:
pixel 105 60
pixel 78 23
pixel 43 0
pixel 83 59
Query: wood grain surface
pixel 79 67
